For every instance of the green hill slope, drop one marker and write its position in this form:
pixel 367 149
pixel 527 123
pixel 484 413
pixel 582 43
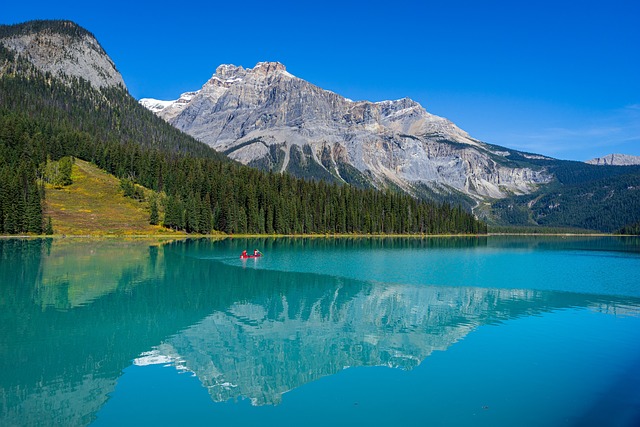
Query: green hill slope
pixel 94 204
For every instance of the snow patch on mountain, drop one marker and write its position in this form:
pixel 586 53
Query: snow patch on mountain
pixel 155 105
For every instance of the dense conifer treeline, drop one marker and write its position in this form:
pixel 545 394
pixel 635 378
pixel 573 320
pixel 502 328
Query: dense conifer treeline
pixel 631 229
pixel 21 197
pixel 42 117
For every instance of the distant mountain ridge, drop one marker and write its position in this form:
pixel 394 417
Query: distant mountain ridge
pixel 615 160
pixel 268 118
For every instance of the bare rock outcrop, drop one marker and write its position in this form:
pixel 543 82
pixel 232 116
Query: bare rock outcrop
pixel 615 160
pixel 63 49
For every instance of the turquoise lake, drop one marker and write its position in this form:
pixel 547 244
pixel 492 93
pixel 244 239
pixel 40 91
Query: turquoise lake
pixel 482 331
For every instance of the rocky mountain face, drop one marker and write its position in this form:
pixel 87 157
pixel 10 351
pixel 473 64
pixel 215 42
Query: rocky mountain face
pixel 63 49
pixel 615 160
pixel 268 118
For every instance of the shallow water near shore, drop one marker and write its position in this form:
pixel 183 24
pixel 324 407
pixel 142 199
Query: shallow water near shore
pixel 494 331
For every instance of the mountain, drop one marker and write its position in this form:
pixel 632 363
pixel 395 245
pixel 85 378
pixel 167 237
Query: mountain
pixel 46 115
pixel 615 160
pixel 268 118
pixel 62 49
pixel 59 71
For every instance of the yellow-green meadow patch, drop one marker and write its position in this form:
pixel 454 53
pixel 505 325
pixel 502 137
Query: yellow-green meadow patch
pixel 95 205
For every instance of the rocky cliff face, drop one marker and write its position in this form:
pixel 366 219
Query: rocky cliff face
pixel 268 118
pixel 63 49
pixel 615 160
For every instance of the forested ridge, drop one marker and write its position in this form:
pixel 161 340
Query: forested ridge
pixel 43 118
pixel 581 196
pixel 603 198
pixel 59 26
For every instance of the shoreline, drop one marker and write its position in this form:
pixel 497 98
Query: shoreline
pixel 310 236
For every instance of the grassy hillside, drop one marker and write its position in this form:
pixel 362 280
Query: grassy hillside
pixel 95 204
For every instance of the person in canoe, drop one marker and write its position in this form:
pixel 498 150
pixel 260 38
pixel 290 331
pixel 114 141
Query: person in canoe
pixel 245 255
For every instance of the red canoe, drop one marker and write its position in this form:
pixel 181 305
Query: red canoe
pixel 250 256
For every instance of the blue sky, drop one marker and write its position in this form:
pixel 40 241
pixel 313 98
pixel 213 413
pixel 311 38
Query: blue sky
pixel 560 78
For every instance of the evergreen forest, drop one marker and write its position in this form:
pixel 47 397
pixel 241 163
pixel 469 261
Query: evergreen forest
pixel 631 229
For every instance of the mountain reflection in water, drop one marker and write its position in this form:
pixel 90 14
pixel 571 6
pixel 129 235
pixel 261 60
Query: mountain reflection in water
pixel 75 314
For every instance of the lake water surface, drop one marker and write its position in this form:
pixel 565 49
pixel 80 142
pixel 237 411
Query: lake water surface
pixel 487 331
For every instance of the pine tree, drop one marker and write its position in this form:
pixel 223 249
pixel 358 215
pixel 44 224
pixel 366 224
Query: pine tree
pixel 153 215
pixel 192 215
pixel 33 213
pixel 49 228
